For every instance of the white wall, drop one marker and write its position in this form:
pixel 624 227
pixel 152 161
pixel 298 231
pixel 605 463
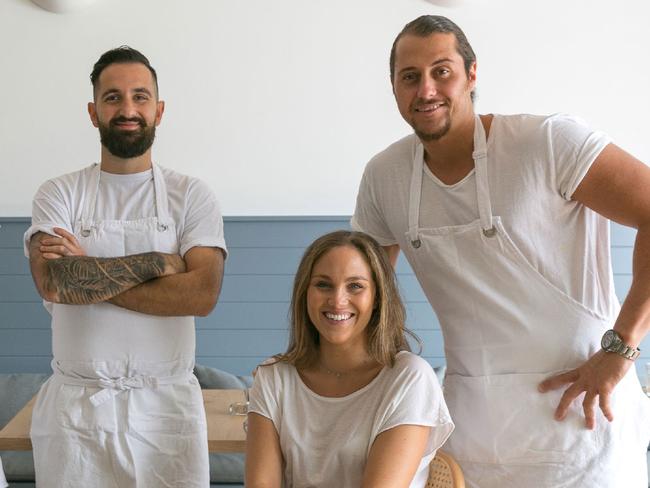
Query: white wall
pixel 278 104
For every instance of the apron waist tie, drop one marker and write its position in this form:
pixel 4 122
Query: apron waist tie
pixel 109 388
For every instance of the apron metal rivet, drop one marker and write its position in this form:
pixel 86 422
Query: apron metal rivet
pixel 490 232
pixel 85 232
pixel 416 243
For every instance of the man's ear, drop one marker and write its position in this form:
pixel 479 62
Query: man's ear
pixel 92 111
pixel 160 109
pixel 471 76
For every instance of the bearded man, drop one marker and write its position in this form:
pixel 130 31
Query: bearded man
pixel 125 253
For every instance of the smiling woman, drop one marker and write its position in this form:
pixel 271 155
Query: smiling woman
pixel 347 404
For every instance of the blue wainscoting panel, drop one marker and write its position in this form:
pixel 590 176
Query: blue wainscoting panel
pixel 250 320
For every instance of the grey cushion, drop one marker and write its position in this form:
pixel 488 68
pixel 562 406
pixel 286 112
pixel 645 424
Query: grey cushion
pixel 212 378
pixel 226 468
pixel 18 465
pixel 16 390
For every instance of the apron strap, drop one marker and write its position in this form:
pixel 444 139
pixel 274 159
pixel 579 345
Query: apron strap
pixel 415 193
pixel 90 202
pixel 482 187
pixel 111 387
pixel 160 195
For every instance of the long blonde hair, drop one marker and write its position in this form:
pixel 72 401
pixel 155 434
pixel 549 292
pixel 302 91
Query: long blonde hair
pixel 386 328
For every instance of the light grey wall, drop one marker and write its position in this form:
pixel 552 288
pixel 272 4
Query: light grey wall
pixel 278 104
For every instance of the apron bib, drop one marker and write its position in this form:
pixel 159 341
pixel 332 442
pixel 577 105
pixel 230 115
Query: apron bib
pixel 505 329
pixel 123 408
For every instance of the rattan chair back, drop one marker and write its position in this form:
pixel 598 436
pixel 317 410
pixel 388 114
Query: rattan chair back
pixel 444 472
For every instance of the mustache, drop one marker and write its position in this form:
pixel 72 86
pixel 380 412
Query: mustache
pixel 419 102
pixel 121 119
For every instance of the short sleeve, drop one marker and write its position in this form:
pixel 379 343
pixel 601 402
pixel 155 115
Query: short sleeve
pixel 203 225
pixel 49 209
pixel 574 147
pixel 264 395
pixel 367 216
pixel 416 399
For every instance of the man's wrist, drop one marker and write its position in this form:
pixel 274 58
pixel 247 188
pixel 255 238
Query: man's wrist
pixel 613 342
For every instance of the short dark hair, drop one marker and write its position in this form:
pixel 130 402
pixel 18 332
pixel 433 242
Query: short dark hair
pixel 122 54
pixel 426 25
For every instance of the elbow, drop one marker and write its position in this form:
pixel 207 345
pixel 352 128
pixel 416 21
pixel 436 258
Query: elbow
pixel 206 305
pixel 209 299
pixel 47 293
pixel 49 296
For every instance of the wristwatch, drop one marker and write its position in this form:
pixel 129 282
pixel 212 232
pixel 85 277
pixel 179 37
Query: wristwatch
pixel 612 342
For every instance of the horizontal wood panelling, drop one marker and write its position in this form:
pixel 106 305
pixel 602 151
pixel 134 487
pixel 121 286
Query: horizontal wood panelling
pixel 11 232
pixel 250 320
pixel 25 342
pixel 13 261
pixel 25 364
pixel 276 260
pixel 279 231
pixel 18 288
pixel 23 315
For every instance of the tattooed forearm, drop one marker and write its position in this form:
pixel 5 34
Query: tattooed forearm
pixel 84 280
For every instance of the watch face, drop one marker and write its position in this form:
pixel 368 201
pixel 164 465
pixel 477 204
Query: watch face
pixel 609 338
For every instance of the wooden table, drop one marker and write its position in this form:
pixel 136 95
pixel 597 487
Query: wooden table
pixel 225 431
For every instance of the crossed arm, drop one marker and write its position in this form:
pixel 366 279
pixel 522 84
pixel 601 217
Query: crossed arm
pixel 153 283
pixel 393 460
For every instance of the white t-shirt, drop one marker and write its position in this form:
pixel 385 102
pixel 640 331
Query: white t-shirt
pixel 192 204
pixel 535 163
pixel 326 441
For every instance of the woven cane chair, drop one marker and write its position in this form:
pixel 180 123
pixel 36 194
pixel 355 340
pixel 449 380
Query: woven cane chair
pixel 444 472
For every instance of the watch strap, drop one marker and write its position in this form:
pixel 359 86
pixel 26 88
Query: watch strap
pixel 628 352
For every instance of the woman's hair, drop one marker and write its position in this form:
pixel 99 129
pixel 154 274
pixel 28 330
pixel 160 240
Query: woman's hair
pixel 386 328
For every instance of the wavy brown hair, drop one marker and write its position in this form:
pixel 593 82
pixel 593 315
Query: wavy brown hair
pixel 386 329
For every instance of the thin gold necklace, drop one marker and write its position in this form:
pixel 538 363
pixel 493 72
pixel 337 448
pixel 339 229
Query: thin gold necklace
pixel 340 374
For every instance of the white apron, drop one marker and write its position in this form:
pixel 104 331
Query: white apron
pixel 506 328
pixel 123 408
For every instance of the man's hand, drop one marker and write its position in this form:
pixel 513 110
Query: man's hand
pixel 597 378
pixel 57 247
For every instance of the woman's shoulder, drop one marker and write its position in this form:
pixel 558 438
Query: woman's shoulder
pixel 408 363
pixel 274 368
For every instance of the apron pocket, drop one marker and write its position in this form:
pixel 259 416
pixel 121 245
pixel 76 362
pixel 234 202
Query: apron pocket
pixel 176 408
pixel 75 411
pixel 503 419
pixel 505 431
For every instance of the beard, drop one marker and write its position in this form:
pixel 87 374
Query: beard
pixel 433 136
pixel 127 144
pixel 427 134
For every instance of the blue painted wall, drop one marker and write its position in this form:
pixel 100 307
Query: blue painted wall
pixel 250 321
